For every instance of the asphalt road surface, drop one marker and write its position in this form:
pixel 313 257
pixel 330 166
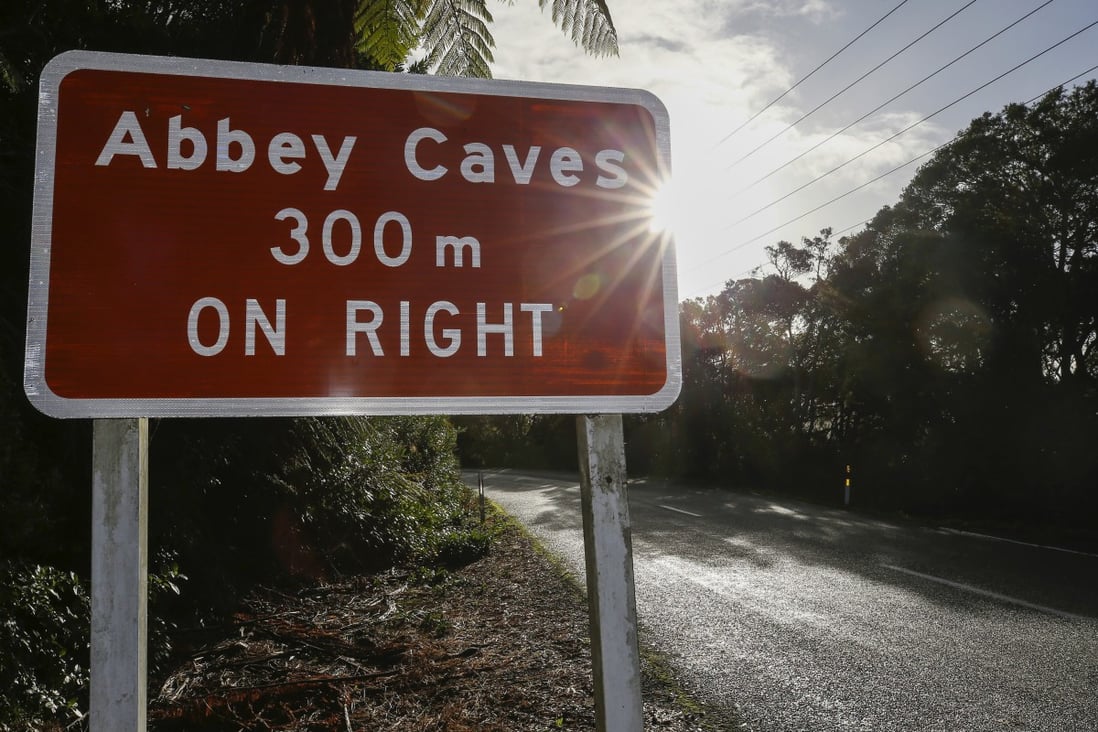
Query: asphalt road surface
pixel 807 618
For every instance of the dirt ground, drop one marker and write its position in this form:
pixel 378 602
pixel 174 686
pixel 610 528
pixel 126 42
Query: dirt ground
pixel 500 644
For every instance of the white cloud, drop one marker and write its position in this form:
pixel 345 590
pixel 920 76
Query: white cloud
pixel 714 63
pixel 815 10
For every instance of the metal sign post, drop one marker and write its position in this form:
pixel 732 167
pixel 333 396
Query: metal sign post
pixel 610 595
pixel 119 647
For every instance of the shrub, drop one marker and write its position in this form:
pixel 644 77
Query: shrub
pixel 245 501
pixel 44 621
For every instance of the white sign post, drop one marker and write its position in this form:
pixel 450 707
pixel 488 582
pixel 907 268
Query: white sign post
pixel 610 594
pixel 119 639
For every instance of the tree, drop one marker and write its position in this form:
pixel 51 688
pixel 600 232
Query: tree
pixel 1018 191
pixel 973 317
pixel 453 36
pixel 948 351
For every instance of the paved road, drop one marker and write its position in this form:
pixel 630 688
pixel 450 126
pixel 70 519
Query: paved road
pixel 806 618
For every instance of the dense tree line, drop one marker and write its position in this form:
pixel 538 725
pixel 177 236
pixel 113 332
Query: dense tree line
pixel 948 353
pixel 233 502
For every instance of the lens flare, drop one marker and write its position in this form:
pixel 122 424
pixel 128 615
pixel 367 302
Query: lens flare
pixel 587 286
pixel 662 209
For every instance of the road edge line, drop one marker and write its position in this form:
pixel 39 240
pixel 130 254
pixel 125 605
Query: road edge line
pixel 679 510
pixel 991 537
pixel 989 594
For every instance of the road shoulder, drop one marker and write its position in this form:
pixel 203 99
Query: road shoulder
pixel 500 644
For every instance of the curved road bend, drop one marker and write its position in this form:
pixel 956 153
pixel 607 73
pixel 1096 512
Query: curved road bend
pixel 807 618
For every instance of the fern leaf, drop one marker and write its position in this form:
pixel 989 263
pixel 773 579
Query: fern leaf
pixel 387 30
pixel 587 22
pixel 457 39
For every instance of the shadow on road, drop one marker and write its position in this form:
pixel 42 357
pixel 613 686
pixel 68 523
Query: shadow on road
pixel 720 529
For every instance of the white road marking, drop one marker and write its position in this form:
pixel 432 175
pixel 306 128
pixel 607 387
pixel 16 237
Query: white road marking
pixel 679 510
pixel 959 532
pixel 987 593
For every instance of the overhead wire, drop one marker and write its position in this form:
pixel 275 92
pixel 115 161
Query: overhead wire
pixel 912 126
pixel 805 78
pixel 758 266
pixel 863 222
pixel 915 159
pixel 1062 84
pixel 846 88
pixel 884 104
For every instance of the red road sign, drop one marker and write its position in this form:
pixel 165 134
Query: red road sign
pixel 216 238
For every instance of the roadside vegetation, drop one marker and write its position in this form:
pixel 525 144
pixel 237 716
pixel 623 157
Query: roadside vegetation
pixel 947 353
pixel 234 505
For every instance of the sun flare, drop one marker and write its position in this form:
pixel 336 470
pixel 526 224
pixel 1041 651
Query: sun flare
pixel 663 209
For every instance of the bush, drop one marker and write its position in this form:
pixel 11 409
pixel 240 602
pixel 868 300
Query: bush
pixel 44 621
pixel 233 503
pixel 246 501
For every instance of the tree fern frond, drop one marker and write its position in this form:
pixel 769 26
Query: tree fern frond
pixel 457 38
pixel 587 22
pixel 590 30
pixel 387 30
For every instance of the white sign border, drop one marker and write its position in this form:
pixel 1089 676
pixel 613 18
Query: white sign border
pixel 52 404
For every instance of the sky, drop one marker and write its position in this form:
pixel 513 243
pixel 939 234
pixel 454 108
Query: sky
pixel 716 63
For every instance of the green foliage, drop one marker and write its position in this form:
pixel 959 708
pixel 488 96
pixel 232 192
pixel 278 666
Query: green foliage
pixel 386 30
pixel 455 35
pixel 44 616
pixel 518 441
pixel 455 32
pixel 460 546
pixel 588 22
pixel 247 499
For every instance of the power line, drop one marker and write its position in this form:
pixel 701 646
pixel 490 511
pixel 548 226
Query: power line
pixel 912 126
pixel 810 73
pixel 755 267
pixel 1061 85
pixel 881 106
pixel 852 226
pixel 846 88
pixel 838 198
pixel 945 144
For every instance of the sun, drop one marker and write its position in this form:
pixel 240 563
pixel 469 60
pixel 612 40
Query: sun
pixel 664 209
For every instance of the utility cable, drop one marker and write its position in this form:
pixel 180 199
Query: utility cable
pixel 852 226
pixel 840 197
pixel 756 267
pixel 945 144
pixel 810 73
pixel 881 106
pixel 846 88
pixel 1061 85
pixel 912 126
